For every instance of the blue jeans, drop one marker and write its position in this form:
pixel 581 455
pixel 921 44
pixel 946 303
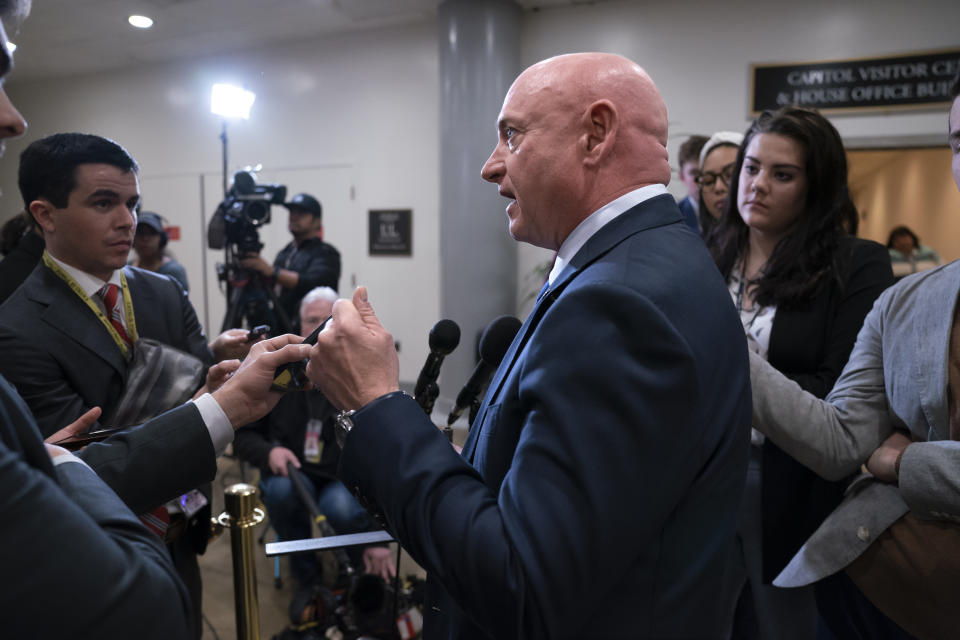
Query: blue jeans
pixel 291 519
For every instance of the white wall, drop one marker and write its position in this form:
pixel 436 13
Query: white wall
pixel 350 119
pixel 362 108
pixel 699 53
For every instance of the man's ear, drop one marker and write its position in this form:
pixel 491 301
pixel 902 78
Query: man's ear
pixel 42 211
pixel 600 123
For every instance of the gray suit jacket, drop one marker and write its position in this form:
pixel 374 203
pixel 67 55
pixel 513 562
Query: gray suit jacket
pixel 60 357
pixel 896 378
pixel 63 362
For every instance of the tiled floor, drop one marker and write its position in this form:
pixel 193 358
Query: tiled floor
pixel 217 569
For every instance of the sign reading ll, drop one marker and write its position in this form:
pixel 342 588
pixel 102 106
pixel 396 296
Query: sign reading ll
pixel 390 232
pixel 913 81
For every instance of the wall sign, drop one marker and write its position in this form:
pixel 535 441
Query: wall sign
pixel 391 232
pixel 912 81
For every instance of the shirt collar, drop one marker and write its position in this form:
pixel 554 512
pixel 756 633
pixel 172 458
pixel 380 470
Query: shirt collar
pixel 90 284
pixel 596 220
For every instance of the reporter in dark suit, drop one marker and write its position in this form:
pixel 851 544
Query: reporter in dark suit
pixel 67 344
pixel 76 562
pixel 802 284
pixel 597 490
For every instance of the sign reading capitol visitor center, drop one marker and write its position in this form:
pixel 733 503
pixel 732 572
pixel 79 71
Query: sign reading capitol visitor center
pixel 909 81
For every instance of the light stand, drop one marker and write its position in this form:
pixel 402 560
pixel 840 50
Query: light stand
pixel 229 101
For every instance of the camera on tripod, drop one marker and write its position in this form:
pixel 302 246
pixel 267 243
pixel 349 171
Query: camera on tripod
pixel 233 227
pixel 245 208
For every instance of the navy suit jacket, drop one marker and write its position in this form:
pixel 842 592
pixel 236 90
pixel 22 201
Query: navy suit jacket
pixel 597 492
pixel 76 562
pixel 689 213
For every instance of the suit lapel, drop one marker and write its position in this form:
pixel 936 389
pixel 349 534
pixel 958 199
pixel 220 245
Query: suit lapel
pixel 652 213
pixel 66 313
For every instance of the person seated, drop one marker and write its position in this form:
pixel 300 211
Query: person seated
pixel 300 431
pixel 149 244
pixel 907 255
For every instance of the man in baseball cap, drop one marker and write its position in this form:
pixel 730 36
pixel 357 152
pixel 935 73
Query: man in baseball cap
pixel 306 262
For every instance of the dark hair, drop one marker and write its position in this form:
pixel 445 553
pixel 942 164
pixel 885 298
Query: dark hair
pixel 48 166
pixel 690 150
pixel 806 259
pixel 902 231
pixel 12 231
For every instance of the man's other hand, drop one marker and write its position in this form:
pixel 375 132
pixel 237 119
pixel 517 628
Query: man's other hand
pixel 232 344
pixel 379 561
pixel 256 263
pixel 216 376
pixel 246 396
pixel 883 461
pixel 278 459
pixel 354 360
pixel 79 426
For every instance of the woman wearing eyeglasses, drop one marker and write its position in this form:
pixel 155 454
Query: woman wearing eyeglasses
pixel 716 167
pixel 802 284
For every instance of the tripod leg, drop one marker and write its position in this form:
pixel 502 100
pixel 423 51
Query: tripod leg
pixel 232 318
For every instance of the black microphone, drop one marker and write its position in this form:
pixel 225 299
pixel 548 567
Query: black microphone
pixel 494 344
pixel 444 338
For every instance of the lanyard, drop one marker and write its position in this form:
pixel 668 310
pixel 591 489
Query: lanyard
pixel 127 305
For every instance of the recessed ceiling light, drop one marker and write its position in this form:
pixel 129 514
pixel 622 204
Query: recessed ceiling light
pixel 140 22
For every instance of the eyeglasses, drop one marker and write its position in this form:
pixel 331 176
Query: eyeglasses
pixel 709 178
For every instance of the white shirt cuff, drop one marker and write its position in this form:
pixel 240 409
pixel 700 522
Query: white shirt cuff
pixel 221 431
pixel 67 457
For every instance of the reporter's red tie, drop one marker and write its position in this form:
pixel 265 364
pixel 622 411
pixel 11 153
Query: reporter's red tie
pixel 157 520
pixel 111 301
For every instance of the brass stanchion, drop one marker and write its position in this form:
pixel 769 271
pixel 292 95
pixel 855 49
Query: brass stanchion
pixel 241 515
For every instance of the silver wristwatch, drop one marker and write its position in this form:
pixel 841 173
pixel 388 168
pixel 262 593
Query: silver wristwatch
pixel 342 426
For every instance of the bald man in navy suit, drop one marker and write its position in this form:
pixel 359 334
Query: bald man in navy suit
pixel 597 491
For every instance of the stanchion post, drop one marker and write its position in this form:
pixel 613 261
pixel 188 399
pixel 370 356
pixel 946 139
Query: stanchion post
pixel 241 515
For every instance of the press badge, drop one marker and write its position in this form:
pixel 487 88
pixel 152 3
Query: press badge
pixel 313 445
pixel 192 502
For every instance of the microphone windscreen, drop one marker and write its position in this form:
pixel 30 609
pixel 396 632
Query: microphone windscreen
pixel 445 336
pixel 496 339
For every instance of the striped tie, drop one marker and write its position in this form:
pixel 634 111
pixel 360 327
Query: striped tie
pixel 111 302
pixel 157 520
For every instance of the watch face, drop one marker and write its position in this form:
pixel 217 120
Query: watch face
pixel 343 426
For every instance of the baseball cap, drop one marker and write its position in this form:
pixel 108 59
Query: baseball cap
pixel 151 219
pixel 306 202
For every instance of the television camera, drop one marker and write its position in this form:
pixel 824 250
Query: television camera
pixel 234 228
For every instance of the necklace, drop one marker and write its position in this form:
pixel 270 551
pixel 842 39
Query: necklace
pixel 741 290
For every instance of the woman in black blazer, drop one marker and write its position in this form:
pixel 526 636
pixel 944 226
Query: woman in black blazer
pixel 802 284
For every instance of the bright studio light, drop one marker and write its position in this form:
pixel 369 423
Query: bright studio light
pixel 140 22
pixel 11 47
pixel 231 102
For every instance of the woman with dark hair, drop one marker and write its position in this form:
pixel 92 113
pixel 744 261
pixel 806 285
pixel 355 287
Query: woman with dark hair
pixel 802 284
pixel 907 255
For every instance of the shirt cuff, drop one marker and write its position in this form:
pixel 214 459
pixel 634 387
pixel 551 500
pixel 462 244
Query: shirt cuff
pixel 68 457
pixel 221 431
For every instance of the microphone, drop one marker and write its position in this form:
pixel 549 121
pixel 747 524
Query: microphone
pixel 444 338
pixel 494 344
